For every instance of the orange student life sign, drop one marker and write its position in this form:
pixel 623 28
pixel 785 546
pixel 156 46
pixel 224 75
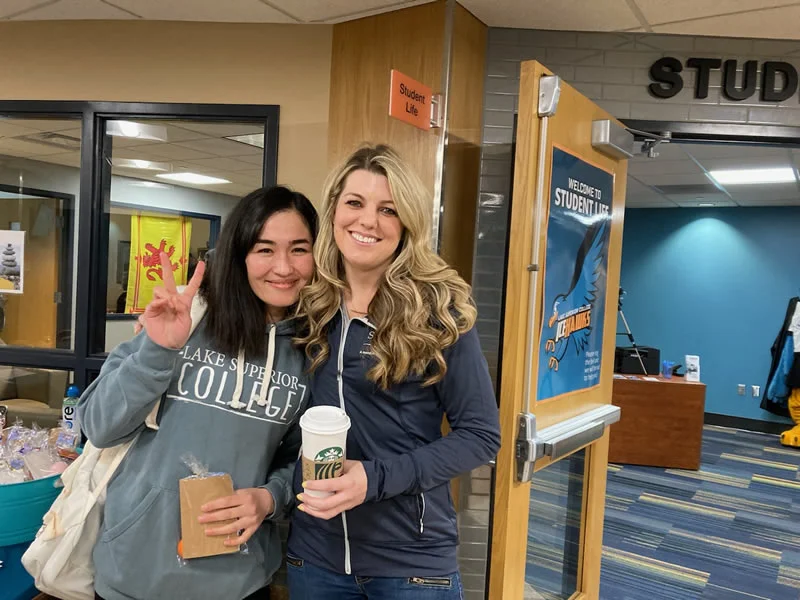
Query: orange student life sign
pixel 409 101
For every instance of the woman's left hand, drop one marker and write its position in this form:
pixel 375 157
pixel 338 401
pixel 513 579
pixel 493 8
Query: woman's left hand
pixel 349 491
pixel 249 506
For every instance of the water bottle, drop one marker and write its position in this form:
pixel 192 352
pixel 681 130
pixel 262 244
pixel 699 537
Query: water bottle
pixel 69 414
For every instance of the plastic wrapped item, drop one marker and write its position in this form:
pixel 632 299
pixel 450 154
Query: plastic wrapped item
pixel 67 442
pixel 42 463
pixel 31 453
pixel 196 490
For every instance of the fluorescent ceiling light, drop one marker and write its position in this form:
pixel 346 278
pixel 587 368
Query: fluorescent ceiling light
pixel 195 178
pixel 752 176
pixel 705 204
pixel 131 129
pixel 251 139
pixel 135 163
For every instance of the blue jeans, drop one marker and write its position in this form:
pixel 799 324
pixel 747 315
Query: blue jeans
pixel 307 582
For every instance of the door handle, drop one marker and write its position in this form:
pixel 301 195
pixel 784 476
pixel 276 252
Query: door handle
pixel 560 439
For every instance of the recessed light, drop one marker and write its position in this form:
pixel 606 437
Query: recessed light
pixel 131 129
pixel 252 139
pixel 195 178
pixel 753 176
pixel 135 163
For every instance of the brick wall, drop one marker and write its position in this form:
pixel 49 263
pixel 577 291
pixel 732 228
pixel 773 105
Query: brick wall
pixel 611 69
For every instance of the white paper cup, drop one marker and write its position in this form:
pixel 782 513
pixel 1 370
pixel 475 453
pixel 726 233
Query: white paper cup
pixel 324 442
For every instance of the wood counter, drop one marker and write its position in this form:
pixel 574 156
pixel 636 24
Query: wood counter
pixel 661 423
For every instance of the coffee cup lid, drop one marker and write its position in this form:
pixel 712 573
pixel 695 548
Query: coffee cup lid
pixel 324 420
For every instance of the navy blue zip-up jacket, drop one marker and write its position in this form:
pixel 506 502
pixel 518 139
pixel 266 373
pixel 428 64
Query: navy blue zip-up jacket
pixel 407 524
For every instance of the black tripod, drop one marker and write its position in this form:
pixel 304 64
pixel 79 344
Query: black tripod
pixel 628 332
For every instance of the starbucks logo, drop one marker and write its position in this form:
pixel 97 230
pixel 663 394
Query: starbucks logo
pixel 328 463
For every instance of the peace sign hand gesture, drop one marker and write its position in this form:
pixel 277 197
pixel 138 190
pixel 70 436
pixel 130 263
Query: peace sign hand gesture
pixel 167 319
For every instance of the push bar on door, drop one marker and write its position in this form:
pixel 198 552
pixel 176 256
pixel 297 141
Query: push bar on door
pixel 560 439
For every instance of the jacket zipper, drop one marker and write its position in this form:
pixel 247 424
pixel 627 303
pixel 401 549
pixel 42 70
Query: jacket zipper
pixel 339 369
pixel 422 514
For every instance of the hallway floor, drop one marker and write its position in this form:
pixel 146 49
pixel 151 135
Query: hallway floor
pixel 730 531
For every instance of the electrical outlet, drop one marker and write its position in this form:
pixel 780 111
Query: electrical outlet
pixel 742 388
pixel 756 391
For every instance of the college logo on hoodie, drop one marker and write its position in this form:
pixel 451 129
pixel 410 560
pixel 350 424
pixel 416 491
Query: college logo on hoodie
pixel 210 378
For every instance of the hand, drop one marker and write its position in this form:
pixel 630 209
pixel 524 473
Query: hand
pixel 167 319
pixel 249 506
pixel 349 491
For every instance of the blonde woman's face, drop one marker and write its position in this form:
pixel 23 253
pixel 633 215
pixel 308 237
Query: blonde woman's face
pixel 366 227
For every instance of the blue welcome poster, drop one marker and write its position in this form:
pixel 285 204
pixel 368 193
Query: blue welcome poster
pixel 575 277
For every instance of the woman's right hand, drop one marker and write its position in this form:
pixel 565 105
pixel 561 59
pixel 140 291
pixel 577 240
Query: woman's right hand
pixel 167 319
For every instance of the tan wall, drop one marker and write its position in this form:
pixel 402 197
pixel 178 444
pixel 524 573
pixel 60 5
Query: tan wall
pixel 288 65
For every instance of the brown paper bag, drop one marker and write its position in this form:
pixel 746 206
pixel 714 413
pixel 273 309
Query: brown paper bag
pixel 194 492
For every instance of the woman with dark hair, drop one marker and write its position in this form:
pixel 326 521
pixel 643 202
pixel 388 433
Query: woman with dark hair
pixel 232 386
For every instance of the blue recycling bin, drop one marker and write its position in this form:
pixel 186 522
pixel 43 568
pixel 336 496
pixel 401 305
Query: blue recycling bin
pixel 22 507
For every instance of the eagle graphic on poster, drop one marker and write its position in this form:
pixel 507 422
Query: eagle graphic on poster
pixel 572 313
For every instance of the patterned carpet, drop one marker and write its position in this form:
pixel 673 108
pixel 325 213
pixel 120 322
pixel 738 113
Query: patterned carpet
pixel 730 531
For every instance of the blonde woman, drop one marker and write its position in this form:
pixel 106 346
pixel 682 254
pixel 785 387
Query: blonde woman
pixel 391 341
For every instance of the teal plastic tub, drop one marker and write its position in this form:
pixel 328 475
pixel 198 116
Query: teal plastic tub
pixel 22 507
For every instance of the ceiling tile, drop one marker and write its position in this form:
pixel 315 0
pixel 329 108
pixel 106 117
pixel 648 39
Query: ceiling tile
pixel 665 167
pixel 649 203
pixel 226 164
pixel 748 162
pixel 694 203
pixel 567 15
pixel 255 159
pixel 11 128
pixel 333 11
pixel 764 193
pixel 706 151
pixel 14 147
pixel 661 11
pixel 215 147
pixel 43 124
pixel 668 151
pixel 73 10
pixel 755 201
pixel 70 159
pixel 13 7
pixel 169 151
pixel 776 23
pixel 220 130
pixel 230 11
pixel 686 179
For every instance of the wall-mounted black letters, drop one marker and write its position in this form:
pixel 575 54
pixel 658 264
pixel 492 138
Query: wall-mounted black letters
pixel 779 80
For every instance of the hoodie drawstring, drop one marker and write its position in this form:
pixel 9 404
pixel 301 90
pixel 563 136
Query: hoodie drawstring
pixel 262 395
pixel 236 402
pixel 237 391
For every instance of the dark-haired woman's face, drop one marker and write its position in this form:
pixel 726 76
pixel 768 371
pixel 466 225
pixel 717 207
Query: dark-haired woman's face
pixel 281 262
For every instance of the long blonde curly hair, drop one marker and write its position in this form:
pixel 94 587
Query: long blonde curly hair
pixel 421 306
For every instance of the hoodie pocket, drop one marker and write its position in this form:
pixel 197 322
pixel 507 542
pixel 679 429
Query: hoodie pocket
pixel 135 515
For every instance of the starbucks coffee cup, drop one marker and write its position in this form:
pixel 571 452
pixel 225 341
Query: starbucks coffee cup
pixel 324 441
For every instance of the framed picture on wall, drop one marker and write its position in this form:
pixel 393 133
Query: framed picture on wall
pixel 123 262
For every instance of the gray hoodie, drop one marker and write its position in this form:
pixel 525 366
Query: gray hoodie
pixel 215 407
